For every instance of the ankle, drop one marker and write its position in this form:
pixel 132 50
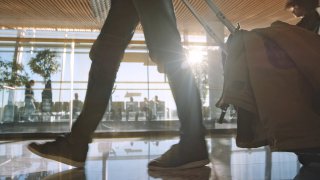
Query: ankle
pixel 72 139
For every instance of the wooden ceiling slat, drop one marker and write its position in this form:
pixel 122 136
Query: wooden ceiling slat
pixel 77 14
pixel 52 12
pixel 85 7
pixel 13 9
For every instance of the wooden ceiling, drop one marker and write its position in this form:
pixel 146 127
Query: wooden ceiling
pixel 77 14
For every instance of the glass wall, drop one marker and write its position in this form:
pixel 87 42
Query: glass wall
pixel 141 100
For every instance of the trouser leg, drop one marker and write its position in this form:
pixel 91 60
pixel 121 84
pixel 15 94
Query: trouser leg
pixel 163 40
pixel 106 54
pixel 187 98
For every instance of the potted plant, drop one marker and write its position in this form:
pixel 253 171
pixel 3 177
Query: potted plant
pixel 45 64
pixel 12 75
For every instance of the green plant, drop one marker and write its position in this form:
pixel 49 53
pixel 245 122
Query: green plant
pixel 44 64
pixel 12 74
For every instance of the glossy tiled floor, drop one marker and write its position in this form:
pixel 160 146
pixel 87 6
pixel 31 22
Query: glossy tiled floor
pixel 126 159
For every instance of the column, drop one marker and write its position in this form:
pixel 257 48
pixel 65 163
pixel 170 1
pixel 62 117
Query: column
pixel 215 70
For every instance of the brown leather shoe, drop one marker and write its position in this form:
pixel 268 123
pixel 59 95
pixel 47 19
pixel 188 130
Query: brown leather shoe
pixel 178 158
pixel 62 150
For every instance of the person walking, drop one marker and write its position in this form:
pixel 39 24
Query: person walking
pixel 309 11
pixel 165 49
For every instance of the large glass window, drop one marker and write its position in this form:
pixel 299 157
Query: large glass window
pixel 141 98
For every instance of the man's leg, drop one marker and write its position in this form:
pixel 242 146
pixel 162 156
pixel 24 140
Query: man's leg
pixel 106 53
pixel 163 40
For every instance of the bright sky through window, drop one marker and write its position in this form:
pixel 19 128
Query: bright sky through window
pixel 195 55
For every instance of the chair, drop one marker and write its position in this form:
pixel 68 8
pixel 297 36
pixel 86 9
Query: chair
pixel 57 110
pixel 146 109
pixel 66 107
pixel 116 110
pixel 132 107
pixel 76 108
pixel 57 107
pixel 160 109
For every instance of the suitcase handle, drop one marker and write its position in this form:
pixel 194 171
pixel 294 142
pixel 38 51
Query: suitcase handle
pixel 206 26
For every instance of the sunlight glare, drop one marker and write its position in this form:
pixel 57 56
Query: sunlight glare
pixel 195 56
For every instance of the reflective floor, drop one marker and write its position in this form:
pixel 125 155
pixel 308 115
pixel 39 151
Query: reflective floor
pixel 126 159
pixel 106 126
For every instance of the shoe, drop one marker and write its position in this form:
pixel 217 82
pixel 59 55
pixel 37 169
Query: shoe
pixel 180 157
pixel 202 173
pixel 62 150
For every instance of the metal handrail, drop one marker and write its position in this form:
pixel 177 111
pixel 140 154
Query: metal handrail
pixel 222 17
pixel 206 26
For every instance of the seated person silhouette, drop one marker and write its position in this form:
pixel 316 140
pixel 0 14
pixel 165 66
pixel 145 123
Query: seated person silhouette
pixel 145 106
pixel 77 106
pixel 159 108
pixel 132 106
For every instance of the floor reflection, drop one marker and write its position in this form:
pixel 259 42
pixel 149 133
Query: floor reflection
pixel 202 173
pixel 126 159
pixel 71 174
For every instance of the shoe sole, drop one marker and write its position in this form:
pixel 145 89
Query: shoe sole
pixel 195 164
pixel 57 158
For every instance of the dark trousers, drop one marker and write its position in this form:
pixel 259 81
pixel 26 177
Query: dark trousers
pixel 163 41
